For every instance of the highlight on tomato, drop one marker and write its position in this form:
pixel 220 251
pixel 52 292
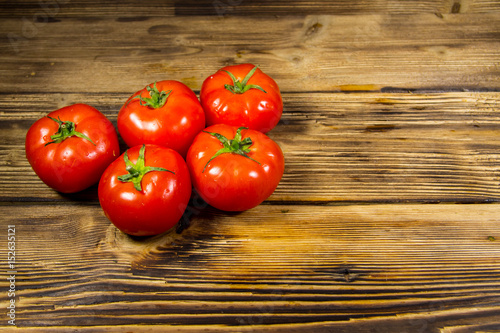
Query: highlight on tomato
pixel 70 148
pixel 166 113
pixel 146 190
pixel 234 168
pixel 242 95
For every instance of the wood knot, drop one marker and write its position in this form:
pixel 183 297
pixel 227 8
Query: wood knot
pixel 455 9
pixel 314 28
pixel 347 275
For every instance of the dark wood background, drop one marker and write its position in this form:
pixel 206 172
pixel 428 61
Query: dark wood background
pixel 387 216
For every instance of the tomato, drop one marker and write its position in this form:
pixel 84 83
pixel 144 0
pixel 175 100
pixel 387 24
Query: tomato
pixel 242 95
pixel 146 190
pixel 234 169
pixel 165 113
pixel 70 148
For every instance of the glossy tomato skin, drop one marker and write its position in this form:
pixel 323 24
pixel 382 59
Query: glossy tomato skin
pixel 254 108
pixel 162 201
pixel 174 125
pixel 231 182
pixel 75 163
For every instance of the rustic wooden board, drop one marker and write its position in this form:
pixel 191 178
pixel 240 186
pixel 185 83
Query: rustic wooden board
pixel 407 267
pixel 386 219
pixel 283 7
pixel 338 146
pixel 126 10
pixel 303 53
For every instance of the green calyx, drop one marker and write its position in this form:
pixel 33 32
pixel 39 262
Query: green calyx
pixel 156 98
pixel 66 129
pixel 137 171
pixel 235 146
pixel 242 87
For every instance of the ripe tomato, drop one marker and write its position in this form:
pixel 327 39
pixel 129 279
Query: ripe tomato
pixel 234 169
pixel 165 113
pixel 71 147
pixel 242 95
pixel 146 190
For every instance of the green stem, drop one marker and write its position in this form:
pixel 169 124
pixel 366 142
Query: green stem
pixel 137 171
pixel 66 129
pixel 235 146
pixel 242 87
pixel 156 100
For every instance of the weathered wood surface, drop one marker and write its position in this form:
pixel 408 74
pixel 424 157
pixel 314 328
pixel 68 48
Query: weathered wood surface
pixel 386 220
pixel 338 147
pixel 405 267
pixel 130 8
pixel 304 53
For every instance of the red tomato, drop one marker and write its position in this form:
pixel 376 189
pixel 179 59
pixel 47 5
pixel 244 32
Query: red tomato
pixel 146 190
pixel 71 147
pixel 165 113
pixel 234 169
pixel 242 95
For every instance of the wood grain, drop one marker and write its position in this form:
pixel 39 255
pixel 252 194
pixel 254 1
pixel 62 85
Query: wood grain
pixel 386 219
pixel 310 267
pixel 311 53
pixel 133 10
pixel 282 7
pixel 355 147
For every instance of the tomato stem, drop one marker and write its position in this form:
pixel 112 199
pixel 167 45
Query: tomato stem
pixel 156 100
pixel 137 171
pixel 242 87
pixel 235 146
pixel 66 129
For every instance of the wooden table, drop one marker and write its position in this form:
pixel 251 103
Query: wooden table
pixel 386 219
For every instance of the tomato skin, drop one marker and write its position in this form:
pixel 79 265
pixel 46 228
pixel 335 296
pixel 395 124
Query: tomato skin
pixel 162 201
pixel 253 109
pixel 75 163
pixel 232 182
pixel 174 125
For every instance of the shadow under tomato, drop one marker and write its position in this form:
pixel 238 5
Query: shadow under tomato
pixel 88 195
pixel 196 207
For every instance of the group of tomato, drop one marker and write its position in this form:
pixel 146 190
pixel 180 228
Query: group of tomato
pixel 216 145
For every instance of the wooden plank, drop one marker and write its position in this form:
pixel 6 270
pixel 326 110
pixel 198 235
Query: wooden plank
pixel 338 146
pixel 55 10
pixel 130 10
pixel 388 105
pixel 311 53
pixel 283 7
pixel 283 268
